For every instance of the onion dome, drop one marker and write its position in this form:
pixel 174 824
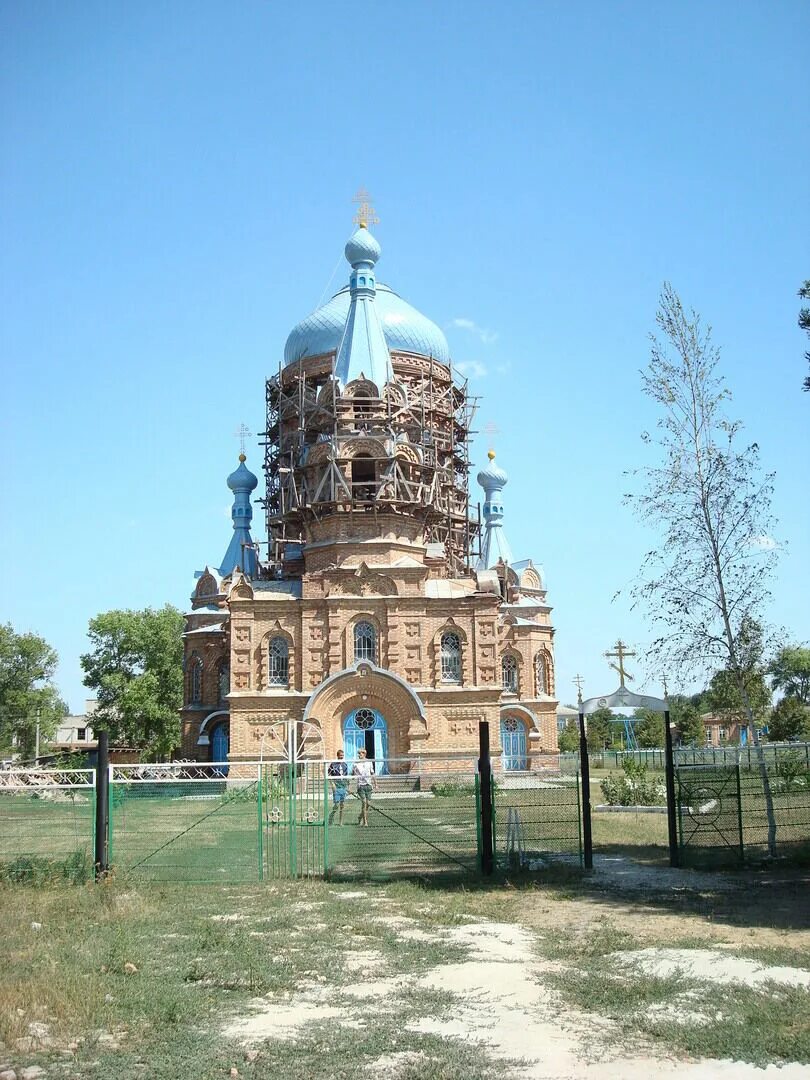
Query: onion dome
pixel 494 545
pixel 242 479
pixel 405 329
pixel 241 553
pixel 492 478
pixel 362 248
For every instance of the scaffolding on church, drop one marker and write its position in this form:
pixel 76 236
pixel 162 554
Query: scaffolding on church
pixel 332 449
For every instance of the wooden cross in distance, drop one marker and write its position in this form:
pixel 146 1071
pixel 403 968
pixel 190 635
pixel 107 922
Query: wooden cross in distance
pixel 621 652
pixel 578 682
pixel 242 433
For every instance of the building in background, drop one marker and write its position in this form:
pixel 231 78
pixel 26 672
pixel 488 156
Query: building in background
pixel 385 617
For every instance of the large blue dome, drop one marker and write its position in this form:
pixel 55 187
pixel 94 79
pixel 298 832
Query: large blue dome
pixel 405 329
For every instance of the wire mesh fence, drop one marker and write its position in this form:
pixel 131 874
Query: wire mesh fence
pixel 420 820
pixel 247 822
pixel 537 817
pixel 47 822
pixel 723 810
pixel 185 823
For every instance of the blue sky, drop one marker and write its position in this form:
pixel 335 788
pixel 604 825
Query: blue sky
pixel 176 192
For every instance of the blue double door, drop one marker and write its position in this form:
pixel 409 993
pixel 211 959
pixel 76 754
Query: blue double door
pixel 365 729
pixel 513 745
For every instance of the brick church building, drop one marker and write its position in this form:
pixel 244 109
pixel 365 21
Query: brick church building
pixel 387 615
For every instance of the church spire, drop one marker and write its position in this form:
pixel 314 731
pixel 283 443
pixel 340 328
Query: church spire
pixel 494 545
pixel 241 554
pixel 363 349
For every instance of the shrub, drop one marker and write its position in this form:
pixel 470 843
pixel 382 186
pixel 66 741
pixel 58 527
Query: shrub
pixel 634 788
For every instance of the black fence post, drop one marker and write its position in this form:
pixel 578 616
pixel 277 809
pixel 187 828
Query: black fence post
pixel 585 771
pixel 672 809
pixel 485 782
pixel 101 855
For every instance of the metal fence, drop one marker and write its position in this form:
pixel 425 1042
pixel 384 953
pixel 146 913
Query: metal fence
pixel 183 822
pixel 47 822
pixel 709 755
pixel 723 810
pixel 537 817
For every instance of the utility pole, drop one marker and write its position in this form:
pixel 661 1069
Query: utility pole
pixel 36 752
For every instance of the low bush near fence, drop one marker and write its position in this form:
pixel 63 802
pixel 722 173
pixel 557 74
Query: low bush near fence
pixel 634 787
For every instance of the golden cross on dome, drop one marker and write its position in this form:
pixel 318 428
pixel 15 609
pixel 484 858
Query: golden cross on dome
pixel 620 654
pixel 242 433
pixel 491 430
pixel 366 214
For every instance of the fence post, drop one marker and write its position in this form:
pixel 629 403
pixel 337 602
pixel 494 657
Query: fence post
pixel 585 770
pixel 101 854
pixel 260 823
pixel 672 818
pixel 740 811
pixel 485 774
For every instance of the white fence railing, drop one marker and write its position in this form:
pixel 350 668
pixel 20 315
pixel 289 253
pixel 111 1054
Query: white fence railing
pixel 25 779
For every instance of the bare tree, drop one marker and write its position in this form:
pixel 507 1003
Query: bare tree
pixel 707 583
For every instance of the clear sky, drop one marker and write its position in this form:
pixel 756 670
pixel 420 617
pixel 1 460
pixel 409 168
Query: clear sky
pixel 176 193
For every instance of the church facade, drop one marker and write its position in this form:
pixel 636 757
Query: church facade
pixel 386 617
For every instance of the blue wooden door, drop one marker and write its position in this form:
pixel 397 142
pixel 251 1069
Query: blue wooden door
pixel 219 746
pixel 513 744
pixel 365 729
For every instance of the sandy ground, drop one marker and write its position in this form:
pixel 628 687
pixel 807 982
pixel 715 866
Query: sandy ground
pixel 505 1003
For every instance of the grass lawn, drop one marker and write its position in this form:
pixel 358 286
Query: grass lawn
pixel 119 980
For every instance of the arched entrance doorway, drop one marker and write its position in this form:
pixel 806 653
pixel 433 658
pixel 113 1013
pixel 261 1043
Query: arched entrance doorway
pixel 513 744
pixel 365 729
pixel 220 743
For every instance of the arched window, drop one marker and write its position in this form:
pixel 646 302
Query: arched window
pixel 451 658
pixel 278 673
pixel 223 681
pixel 509 674
pixel 365 642
pixel 364 470
pixel 195 681
pixel 540 674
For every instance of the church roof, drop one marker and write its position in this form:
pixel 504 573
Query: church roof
pixel 405 328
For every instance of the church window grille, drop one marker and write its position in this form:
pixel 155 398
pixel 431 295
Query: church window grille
pixel 365 642
pixel 195 681
pixel 511 725
pixel 223 682
pixel 278 662
pixel 365 719
pixel 509 674
pixel 451 658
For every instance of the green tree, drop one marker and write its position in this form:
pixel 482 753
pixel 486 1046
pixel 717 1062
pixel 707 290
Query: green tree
pixel 598 730
pixel 750 703
pixel 684 713
pixel 790 672
pixel 649 729
pixel 568 740
pixel 136 669
pixel 804 323
pixel 790 719
pixel 706 581
pixel 27 693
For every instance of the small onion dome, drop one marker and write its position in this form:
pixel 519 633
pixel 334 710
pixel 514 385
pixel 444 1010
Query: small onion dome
pixel 362 248
pixel 492 476
pixel 242 479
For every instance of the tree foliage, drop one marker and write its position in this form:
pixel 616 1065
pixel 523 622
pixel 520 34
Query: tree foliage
pixel 804 324
pixel 136 669
pixel 568 740
pixel 790 672
pixel 598 730
pixel 649 729
pixel 706 583
pixel 27 693
pixel 790 719
pixel 684 713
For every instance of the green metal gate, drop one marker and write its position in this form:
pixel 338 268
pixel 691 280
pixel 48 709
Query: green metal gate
pixel 293 815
